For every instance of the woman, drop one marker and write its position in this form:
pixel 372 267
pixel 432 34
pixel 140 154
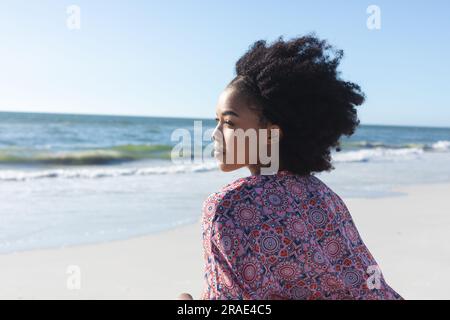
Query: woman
pixel 286 235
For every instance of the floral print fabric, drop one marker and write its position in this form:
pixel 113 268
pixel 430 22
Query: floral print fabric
pixel 285 236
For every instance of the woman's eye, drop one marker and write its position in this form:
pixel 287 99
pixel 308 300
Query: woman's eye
pixel 227 122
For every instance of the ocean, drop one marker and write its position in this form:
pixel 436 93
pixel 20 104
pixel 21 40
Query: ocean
pixel 77 179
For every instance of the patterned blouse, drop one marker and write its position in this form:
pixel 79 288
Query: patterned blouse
pixel 285 236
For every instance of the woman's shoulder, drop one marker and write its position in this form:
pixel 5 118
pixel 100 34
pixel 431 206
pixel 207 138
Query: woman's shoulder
pixel 236 192
pixel 234 188
pixel 237 185
pixel 245 186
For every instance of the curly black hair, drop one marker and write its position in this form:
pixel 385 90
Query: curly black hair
pixel 295 84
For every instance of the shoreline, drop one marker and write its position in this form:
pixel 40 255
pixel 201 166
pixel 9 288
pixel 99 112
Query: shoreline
pixel 409 246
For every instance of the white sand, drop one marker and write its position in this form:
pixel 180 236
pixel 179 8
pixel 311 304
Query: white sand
pixel 407 236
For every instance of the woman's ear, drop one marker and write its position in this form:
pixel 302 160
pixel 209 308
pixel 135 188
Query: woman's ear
pixel 270 133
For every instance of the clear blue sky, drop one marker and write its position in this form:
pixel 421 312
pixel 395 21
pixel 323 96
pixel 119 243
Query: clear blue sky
pixel 172 58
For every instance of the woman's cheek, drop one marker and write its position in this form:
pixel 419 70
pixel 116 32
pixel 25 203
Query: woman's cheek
pixel 229 140
pixel 237 152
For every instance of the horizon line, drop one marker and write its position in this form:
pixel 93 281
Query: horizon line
pixel 193 118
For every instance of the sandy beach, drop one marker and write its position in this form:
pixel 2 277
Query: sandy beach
pixel 406 234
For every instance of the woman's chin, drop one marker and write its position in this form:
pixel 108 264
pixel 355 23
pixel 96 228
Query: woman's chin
pixel 229 167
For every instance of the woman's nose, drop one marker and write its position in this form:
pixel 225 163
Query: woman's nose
pixel 215 134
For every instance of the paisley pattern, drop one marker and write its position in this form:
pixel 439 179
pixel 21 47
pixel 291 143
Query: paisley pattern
pixel 285 236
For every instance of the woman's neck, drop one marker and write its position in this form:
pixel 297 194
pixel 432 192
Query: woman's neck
pixel 255 169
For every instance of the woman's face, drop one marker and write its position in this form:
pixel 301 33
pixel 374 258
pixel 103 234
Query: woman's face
pixel 234 118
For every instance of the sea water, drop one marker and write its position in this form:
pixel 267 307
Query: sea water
pixel 77 179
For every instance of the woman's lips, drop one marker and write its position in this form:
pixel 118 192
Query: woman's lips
pixel 218 153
